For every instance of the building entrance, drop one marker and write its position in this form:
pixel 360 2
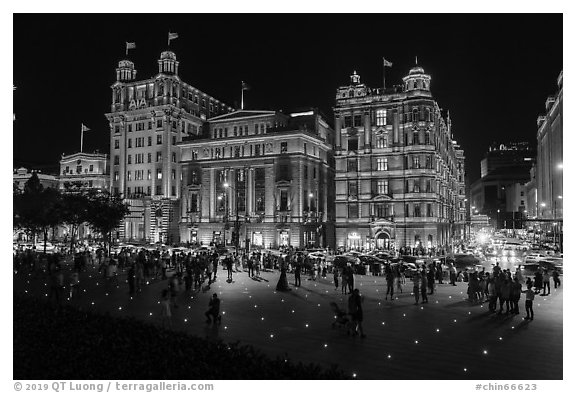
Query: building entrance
pixel 284 238
pixel 382 241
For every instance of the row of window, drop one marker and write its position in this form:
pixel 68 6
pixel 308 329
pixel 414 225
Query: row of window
pixel 139 142
pixel 410 162
pixel 79 169
pixel 382 187
pixel 222 132
pixel 384 211
pixel 141 191
pixel 384 117
pixel 139 175
pixel 139 158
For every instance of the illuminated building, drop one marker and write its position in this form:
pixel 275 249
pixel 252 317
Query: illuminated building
pixel 259 178
pixel 399 173
pixel 148 118
pixel 84 171
pixel 549 167
pixel 21 175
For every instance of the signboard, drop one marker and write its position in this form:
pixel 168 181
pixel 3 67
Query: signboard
pixel 136 104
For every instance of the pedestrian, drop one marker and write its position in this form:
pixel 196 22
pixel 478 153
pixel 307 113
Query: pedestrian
pixel 335 278
pixel 538 281
pixel 416 289
pixel 492 298
pixel 397 278
pixel 174 289
pixel 556 278
pixel 213 313
pixel 165 312
pixel 355 310
pixel 431 277
pixel 344 281
pixel 297 272
pixel 424 285
pixel 229 266
pixel 350 279
pixel 452 270
pixel 74 283
pixel 505 292
pixel 515 295
pixel 251 267
pixel 545 282
pixel 389 283
pixel 530 294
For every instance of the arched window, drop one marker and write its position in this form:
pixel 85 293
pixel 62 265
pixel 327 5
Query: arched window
pixel 415 114
pixel 415 138
pixel 427 138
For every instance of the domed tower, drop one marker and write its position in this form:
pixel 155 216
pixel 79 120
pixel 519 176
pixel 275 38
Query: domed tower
pixel 354 79
pixel 125 71
pixel 168 63
pixel 416 79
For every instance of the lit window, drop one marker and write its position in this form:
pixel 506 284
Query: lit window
pixel 381 117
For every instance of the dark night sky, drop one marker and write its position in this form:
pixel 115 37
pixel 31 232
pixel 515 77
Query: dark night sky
pixel 493 72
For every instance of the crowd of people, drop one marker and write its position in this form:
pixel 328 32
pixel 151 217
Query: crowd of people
pixel 197 271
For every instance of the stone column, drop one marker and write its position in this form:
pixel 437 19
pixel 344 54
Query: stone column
pixel 212 197
pixel 396 126
pixel 249 191
pixel 337 131
pixel 367 131
pixel 269 202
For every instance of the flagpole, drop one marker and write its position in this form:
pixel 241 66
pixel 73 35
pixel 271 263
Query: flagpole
pixel 383 76
pixel 242 99
pixel 81 137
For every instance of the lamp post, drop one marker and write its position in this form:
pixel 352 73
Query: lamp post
pixel 310 196
pixel 220 197
pixel 236 221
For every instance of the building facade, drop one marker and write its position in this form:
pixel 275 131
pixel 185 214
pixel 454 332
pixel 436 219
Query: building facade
pixel 21 175
pixel 549 168
pixel 514 154
pixel 148 118
pixel 84 171
pixel 399 173
pixel 259 179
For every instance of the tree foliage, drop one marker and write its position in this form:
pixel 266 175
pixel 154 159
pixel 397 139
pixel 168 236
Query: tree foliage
pixel 105 213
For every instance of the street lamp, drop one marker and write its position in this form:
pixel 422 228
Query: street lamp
pixel 236 222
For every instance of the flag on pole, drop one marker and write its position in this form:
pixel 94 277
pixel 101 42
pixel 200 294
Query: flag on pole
pixel 84 128
pixel 387 63
pixel 245 86
pixel 172 36
pixel 130 45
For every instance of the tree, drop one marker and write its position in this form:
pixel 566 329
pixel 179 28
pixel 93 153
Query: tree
pixel 75 208
pixel 37 209
pixel 28 206
pixel 105 214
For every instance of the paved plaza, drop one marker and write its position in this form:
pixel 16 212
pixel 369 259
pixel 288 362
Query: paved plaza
pixel 448 338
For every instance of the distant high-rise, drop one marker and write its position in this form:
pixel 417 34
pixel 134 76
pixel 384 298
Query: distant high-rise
pixel 507 155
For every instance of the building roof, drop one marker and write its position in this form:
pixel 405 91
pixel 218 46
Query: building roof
pixel 241 114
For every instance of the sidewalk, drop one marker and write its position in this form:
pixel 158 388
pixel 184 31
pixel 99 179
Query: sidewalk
pixel 444 339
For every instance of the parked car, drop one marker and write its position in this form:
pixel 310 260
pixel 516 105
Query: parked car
pixel 534 257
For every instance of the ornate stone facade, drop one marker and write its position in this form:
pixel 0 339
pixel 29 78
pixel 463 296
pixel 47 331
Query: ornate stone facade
pixel 399 172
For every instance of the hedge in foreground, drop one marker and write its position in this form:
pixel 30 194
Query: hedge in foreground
pixel 73 344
